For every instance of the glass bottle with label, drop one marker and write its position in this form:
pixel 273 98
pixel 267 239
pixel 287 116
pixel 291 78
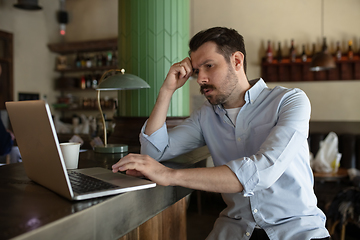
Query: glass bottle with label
pixel 83 82
pixel 313 50
pixel 292 52
pixel 303 54
pixel 338 51
pixel 279 53
pixel 109 59
pixel 83 61
pixel 350 50
pixel 77 61
pixel 269 53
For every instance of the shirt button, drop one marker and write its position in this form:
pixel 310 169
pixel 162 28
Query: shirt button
pixel 238 139
pixel 255 210
pixel 247 234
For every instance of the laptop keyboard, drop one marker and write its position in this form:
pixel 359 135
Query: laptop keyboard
pixel 82 183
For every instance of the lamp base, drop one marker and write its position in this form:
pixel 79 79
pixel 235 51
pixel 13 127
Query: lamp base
pixel 111 148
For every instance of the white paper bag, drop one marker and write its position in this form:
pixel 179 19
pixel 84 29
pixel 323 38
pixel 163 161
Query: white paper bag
pixel 328 157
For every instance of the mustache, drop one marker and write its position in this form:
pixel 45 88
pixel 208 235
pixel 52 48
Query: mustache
pixel 206 86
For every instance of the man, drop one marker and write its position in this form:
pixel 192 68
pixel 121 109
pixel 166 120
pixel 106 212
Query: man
pixel 6 140
pixel 6 137
pixel 257 137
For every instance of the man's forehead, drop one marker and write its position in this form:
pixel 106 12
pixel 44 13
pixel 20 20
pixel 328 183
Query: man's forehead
pixel 204 54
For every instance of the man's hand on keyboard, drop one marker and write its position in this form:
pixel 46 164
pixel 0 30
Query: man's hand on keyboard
pixel 143 165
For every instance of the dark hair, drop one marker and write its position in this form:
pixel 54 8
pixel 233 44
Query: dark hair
pixel 227 40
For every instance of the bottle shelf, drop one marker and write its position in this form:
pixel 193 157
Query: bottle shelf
pixel 74 89
pixel 287 71
pixel 67 108
pixel 81 65
pixel 84 46
pixel 85 69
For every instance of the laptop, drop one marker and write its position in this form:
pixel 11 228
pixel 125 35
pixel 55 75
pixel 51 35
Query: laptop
pixel 43 161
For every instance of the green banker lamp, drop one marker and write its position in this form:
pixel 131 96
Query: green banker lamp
pixel 122 81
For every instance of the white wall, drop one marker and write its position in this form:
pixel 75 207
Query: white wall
pixel 32 30
pixel 92 19
pixel 283 20
pixel 34 64
pixel 258 21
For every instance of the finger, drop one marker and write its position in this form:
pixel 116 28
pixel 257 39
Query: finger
pixel 124 160
pixel 186 64
pixel 182 72
pixel 120 166
pixel 132 165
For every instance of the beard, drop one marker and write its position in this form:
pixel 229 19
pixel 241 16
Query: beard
pixel 224 90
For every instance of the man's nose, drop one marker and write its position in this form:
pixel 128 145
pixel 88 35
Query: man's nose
pixel 202 78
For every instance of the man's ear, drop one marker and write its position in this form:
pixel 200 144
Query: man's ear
pixel 238 59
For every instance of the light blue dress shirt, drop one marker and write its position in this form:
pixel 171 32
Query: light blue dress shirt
pixel 268 151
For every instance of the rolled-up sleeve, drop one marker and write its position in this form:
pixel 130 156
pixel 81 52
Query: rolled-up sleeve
pixel 165 144
pixel 155 143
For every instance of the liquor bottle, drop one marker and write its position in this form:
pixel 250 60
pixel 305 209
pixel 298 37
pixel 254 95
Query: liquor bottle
pixel 292 52
pixel 94 81
pixel 88 62
pixel 269 53
pixel 338 51
pixel 303 54
pixel 350 50
pixel 109 59
pixel 88 80
pixel 114 58
pixel 77 61
pixel 99 60
pixel 94 60
pixel 83 82
pixel 313 50
pixel 324 46
pixel 83 61
pixel 103 59
pixel 279 53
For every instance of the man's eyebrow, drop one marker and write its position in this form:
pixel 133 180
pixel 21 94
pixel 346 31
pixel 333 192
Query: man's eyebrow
pixel 203 63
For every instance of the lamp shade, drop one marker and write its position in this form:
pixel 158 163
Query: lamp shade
pixel 322 61
pixel 123 81
pixel 120 81
pixel 28 5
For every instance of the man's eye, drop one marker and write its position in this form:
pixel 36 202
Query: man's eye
pixel 209 65
pixel 196 71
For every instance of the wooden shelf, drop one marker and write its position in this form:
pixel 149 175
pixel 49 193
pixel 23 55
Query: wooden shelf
pixel 92 69
pixel 287 71
pixel 70 75
pixel 84 46
pixel 74 89
pixel 81 109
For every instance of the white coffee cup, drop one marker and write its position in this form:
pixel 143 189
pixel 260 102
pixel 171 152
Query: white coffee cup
pixel 70 152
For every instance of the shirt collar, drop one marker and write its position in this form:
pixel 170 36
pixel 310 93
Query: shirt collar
pixel 257 85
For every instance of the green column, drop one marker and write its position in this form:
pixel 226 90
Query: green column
pixel 153 35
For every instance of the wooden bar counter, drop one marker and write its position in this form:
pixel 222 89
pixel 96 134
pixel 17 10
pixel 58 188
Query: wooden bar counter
pixel 30 211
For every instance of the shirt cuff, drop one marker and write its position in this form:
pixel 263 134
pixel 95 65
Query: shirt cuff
pixel 246 171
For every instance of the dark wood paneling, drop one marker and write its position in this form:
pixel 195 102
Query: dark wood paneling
pixel 127 129
pixel 168 224
pixel 6 62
